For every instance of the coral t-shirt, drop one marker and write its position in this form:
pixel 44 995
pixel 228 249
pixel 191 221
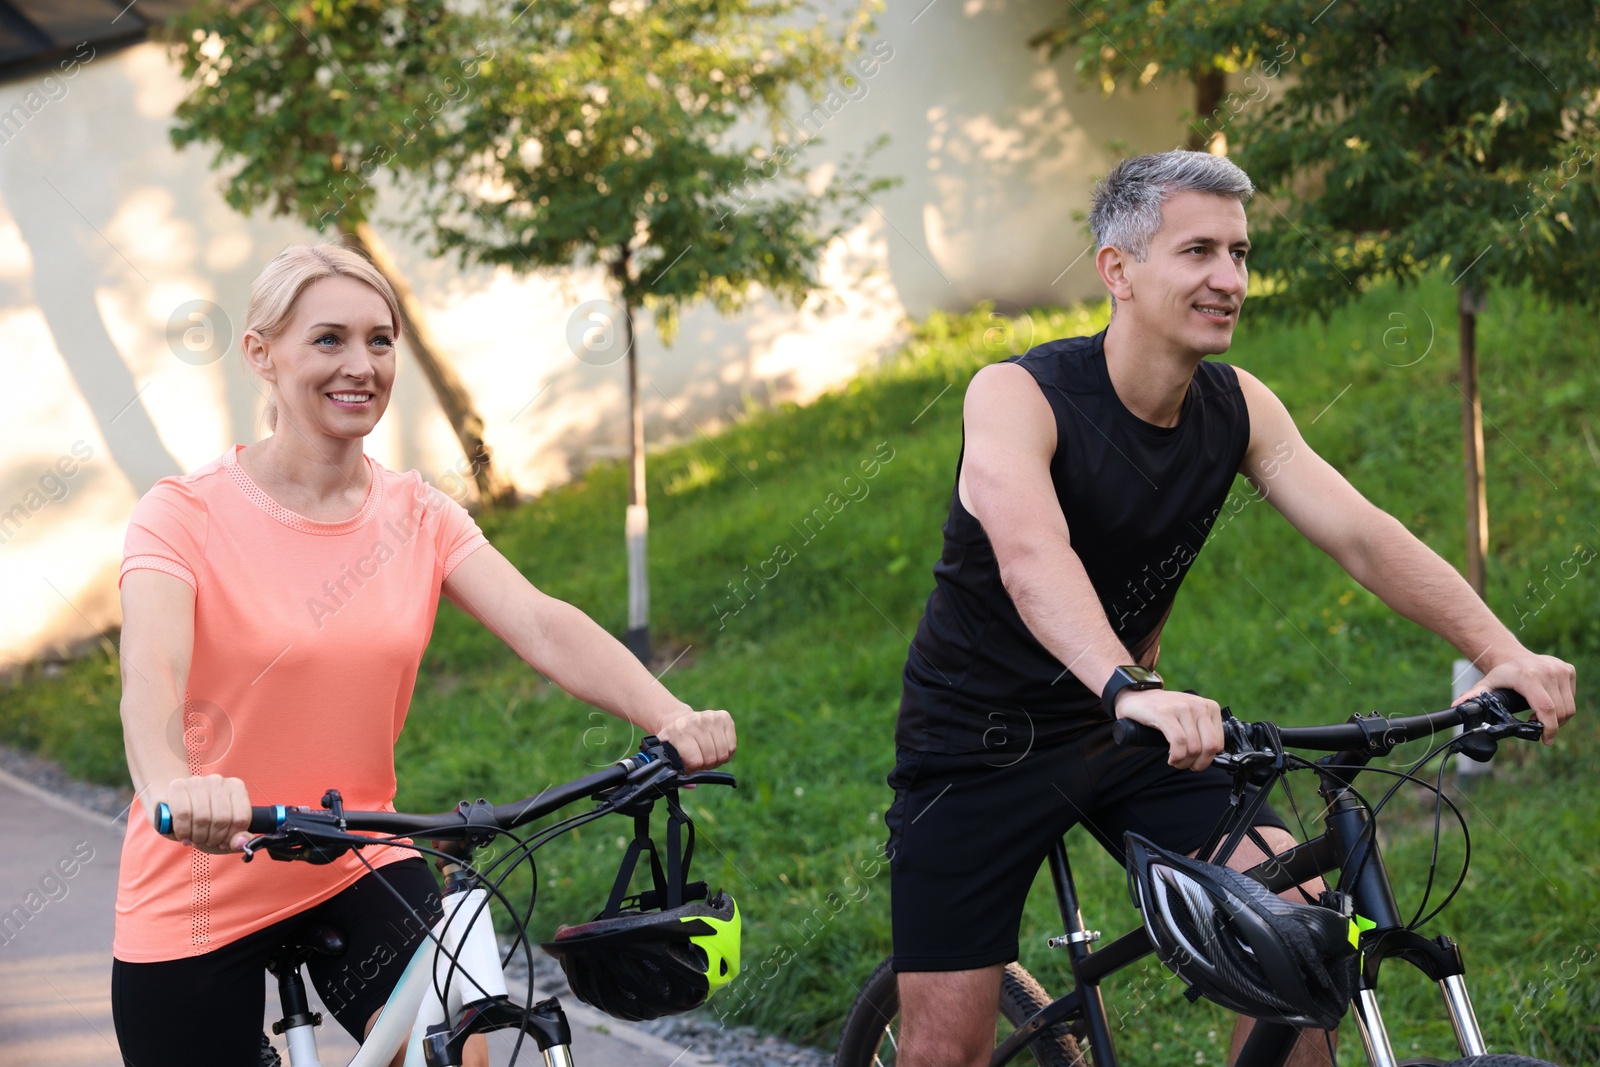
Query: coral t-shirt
pixel 307 638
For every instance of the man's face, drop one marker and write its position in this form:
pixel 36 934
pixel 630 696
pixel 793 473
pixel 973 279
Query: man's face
pixel 1192 283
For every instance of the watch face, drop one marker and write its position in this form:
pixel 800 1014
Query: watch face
pixel 1142 675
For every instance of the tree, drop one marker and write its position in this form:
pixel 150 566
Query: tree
pixel 308 101
pixel 1091 27
pixel 1410 138
pixel 608 134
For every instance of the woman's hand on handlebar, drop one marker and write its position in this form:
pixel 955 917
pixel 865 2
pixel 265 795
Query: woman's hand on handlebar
pixel 212 813
pixel 1547 683
pixel 1191 724
pixel 704 739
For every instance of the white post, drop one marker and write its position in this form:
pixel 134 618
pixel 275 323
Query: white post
pixel 302 1041
pixel 1463 677
pixel 636 530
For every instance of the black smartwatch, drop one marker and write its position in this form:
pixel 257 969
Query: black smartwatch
pixel 1133 677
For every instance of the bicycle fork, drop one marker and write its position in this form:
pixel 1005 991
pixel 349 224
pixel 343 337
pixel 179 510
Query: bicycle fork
pixel 476 997
pixel 1439 958
pixel 476 990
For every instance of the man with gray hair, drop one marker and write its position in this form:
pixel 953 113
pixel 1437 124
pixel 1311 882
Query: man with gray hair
pixel 1092 470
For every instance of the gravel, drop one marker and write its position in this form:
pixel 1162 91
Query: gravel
pixel 734 1046
pixel 108 800
pixel 731 1046
pixel 701 1031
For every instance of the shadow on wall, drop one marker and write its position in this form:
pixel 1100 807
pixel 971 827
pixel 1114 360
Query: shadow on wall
pixel 65 278
pixel 116 223
pixel 995 162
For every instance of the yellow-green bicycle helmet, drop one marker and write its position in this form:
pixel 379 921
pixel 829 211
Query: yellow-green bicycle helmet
pixel 645 964
pixel 662 952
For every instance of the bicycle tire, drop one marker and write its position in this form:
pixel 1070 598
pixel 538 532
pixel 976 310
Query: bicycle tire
pixel 873 1017
pixel 1498 1059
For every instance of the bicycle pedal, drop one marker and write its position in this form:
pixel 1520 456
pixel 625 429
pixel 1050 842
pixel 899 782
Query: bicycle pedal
pixel 1087 937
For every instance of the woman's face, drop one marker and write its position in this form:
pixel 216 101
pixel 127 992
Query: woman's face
pixel 333 364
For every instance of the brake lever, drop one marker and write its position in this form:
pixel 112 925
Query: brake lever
pixel 709 778
pixel 1244 751
pixel 1481 742
pixel 259 842
pixel 1527 729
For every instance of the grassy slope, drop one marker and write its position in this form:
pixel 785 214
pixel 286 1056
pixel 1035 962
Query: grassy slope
pixel 810 662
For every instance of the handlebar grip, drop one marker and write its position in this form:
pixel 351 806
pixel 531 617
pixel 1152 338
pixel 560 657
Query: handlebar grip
pixel 1513 700
pixel 1137 734
pixel 268 819
pixel 263 820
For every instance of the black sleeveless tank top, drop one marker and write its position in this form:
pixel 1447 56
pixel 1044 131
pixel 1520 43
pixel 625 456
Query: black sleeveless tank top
pixel 1139 501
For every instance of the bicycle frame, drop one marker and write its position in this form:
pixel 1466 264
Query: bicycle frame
pixel 1346 845
pixel 475 989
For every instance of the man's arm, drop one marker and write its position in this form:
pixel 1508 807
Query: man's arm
pixel 1005 484
pixel 1387 559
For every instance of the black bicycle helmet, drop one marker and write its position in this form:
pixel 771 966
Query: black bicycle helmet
pixel 1239 945
pixel 662 952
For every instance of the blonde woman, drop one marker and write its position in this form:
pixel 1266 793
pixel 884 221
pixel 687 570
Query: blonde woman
pixel 283 595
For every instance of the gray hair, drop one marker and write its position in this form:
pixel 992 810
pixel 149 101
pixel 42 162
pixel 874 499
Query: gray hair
pixel 1125 208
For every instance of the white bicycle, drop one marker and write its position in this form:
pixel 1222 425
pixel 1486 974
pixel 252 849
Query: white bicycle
pixel 454 985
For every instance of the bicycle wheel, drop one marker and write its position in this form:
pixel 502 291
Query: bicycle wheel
pixel 1499 1060
pixel 870 1037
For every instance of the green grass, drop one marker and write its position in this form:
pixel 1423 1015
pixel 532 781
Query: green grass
pixel 810 661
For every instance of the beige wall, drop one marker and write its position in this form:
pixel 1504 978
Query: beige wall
pixel 109 238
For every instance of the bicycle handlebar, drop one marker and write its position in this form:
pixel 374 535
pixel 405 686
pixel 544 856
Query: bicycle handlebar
pixel 655 767
pixel 1371 734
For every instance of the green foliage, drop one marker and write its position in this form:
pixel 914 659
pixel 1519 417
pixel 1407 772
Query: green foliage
pixel 611 133
pixel 309 101
pixel 809 661
pixel 1401 138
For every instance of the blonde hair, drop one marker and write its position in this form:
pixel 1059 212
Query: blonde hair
pixel 277 289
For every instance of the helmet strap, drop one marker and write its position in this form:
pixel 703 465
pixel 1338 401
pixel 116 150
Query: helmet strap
pixel 1243 822
pixel 675 871
pixel 1243 815
pixel 641 842
pixel 669 884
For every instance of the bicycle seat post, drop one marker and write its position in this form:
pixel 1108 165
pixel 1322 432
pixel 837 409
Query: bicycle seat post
pixel 299 1022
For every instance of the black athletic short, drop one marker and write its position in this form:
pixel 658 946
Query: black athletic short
pixel 968 833
pixel 208 1010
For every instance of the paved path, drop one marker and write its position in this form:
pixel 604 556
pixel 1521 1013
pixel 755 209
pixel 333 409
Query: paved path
pixel 55 952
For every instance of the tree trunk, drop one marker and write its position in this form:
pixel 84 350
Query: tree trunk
pixel 447 385
pixel 1471 303
pixel 637 524
pixel 1208 89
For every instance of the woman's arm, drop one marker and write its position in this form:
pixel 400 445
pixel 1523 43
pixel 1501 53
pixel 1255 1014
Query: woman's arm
pixel 208 811
pixel 573 651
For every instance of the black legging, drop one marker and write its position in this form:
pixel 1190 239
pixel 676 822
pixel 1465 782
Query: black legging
pixel 207 1011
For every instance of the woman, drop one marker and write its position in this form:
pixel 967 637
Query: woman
pixel 276 604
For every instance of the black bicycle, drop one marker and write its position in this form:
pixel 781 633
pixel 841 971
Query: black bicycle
pixel 1073 1030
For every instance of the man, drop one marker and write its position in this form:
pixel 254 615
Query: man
pixel 1091 471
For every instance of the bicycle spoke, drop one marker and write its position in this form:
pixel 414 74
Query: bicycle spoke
pixel 894 1046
